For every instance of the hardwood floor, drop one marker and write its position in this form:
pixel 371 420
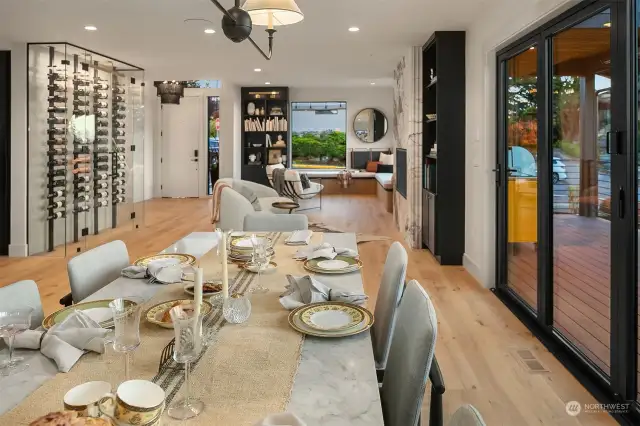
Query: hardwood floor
pixel 477 334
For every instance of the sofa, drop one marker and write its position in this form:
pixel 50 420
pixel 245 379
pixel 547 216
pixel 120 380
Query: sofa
pixel 235 206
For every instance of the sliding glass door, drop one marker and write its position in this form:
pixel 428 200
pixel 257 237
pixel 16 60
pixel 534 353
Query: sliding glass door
pixel 566 175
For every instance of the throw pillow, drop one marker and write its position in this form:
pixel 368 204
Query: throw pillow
pixel 386 159
pixel 372 166
pixel 384 168
pixel 304 179
pixel 247 193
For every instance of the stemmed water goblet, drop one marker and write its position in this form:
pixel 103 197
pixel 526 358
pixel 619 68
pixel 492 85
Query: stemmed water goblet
pixel 126 320
pixel 13 322
pixel 260 259
pixel 188 340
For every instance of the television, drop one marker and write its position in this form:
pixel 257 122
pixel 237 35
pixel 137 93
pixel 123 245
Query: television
pixel 401 171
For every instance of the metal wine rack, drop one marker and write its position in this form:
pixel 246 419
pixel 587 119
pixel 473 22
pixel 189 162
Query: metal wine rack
pixel 118 159
pixel 101 141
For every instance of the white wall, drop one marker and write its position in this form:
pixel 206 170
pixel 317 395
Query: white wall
pixel 490 33
pixel 357 99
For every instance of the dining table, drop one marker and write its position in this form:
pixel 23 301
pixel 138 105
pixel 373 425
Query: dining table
pixel 249 371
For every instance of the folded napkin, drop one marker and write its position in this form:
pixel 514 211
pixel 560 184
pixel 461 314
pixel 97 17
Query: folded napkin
pixel 304 290
pixel 299 238
pixel 66 342
pixel 324 250
pixel 161 271
pixel 283 419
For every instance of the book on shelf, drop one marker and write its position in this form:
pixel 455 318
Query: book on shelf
pixel 274 124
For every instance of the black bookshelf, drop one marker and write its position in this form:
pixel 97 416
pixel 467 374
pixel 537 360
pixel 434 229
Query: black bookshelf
pixel 443 184
pixel 270 119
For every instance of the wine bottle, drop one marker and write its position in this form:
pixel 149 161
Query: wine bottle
pixel 81 112
pixel 80 102
pixel 61 109
pixel 55 120
pixel 101 150
pixel 102 114
pixel 102 203
pixel 120 149
pixel 122 165
pixel 117 200
pixel 81 209
pixel 57 163
pixel 81 92
pixel 57 99
pixel 117 107
pixel 101 185
pixel 118 182
pixel 101 86
pixel 120 141
pixel 81 189
pixel 118 99
pixel 102 123
pixel 121 116
pixel 118 191
pixel 57 151
pixel 101 105
pixel 121 157
pixel 56 88
pixel 119 133
pixel 56 215
pixel 81 82
pixel 118 124
pixel 99 176
pixel 80 142
pixel 102 159
pixel 56 205
pixel 102 194
pixel 102 167
pixel 56 76
pixel 57 173
pixel 118 91
pixel 102 132
pixel 120 174
pixel 82 198
pixel 82 179
pixel 57 141
pixel 98 95
pixel 54 194
pixel 56 131
pixel 82 150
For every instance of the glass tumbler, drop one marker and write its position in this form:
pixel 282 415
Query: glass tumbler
pixel 126 320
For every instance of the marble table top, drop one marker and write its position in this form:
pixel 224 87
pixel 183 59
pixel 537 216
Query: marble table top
pixel 335 384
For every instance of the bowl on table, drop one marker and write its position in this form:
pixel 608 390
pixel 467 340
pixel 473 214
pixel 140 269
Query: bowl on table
pixel 159 314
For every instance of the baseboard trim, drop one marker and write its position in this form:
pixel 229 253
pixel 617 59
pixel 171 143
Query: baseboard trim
pixel 18 250
pixel 473 269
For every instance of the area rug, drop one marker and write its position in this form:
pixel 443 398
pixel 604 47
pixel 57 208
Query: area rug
pixel 360 237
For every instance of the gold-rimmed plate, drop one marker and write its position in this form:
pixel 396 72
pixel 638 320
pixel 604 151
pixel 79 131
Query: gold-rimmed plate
pixel 331 316
pixel 339 265
pixel 297 324
pixel 97 310
pixel 244 243
pixel 183 258
pixel 156 314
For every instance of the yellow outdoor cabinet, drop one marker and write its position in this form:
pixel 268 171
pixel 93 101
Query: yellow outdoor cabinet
pixel 522 219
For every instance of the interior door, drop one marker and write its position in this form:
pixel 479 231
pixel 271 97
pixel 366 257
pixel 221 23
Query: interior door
pixel 182 131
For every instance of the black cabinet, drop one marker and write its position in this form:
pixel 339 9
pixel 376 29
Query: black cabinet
pixel 444 126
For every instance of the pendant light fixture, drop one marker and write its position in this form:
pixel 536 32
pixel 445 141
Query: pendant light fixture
pixel 237 22
pixel 170 92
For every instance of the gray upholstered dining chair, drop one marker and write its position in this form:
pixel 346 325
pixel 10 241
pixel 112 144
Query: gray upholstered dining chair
pixel 275 222
pixel 389 295
pixel 467 415
pixel 23 293
pixel 410 356
pixel 94 269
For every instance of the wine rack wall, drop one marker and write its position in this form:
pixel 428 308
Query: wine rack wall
pixel 85 140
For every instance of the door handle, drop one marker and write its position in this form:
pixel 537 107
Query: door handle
pixel 195 160
pixel 617 146
pixel 195 153
pixel 497 170
pixel 621 203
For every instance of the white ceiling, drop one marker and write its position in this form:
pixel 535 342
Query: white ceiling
pixel 318 52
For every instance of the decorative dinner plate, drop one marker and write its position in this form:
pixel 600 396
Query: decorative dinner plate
pixel 156 314
pixel 339 265
pixel 295 321
pixel 185 259
pixel 97 310
pixel 331 316
pixel 244 243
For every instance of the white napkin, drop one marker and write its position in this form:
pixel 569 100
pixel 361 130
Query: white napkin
pixel 304 290
pixel 282 419
pixel 324 250
pixel 66 342
pixel 299 238
pixel 161 271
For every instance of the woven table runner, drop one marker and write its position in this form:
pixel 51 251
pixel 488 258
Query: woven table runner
pixel 245 375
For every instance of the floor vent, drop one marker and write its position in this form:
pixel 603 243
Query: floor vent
pixel 529 361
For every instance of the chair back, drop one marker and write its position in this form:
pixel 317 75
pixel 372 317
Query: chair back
pixel 412 350
pixel 467 415
pixel 23 293
pixel 261 222
pixel 94 269
pixel 389 295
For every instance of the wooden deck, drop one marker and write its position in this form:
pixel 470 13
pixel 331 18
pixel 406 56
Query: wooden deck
pixel 581 279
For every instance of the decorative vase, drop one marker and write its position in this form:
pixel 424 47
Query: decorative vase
pixel 237 309
pixel 252 158
pixel 251 108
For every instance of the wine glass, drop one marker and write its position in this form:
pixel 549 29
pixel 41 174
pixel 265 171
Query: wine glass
pixel 126 319
pixel 12 322
pixel 260 259
pixel 188 341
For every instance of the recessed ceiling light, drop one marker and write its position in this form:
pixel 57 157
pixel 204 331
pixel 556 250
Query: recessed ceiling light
pixel 607 25
pixel 267 82
pixel 373 83
pixel 258 69
pixel 209 31
pixel 91 28
pixel 532 48
pixel 354 29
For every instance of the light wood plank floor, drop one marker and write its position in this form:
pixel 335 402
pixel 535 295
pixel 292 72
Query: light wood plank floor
pixel 476 336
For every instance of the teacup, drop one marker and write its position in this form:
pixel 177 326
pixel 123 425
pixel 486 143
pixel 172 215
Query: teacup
pixel 136 402
pixel 85 398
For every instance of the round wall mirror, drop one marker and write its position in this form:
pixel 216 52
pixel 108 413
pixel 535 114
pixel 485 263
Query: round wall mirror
pixel 370 125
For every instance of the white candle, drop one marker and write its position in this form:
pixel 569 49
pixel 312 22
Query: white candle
pixel 197 291
pixel 225 267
